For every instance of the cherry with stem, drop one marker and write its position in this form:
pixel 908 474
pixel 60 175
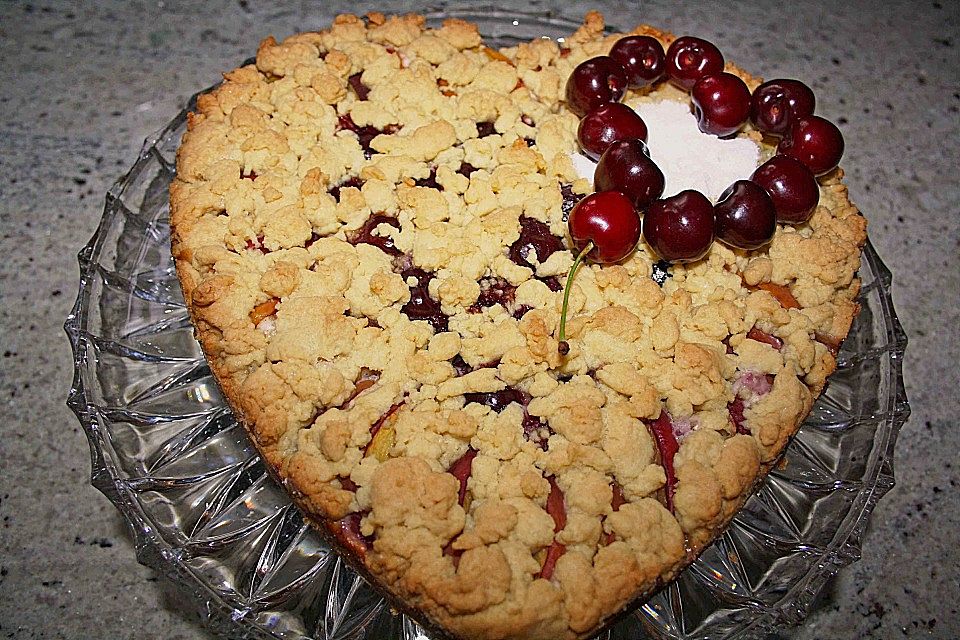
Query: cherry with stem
pixel 564 347
pixel 604 227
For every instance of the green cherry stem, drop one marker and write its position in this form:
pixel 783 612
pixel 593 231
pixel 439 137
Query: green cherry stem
pixel 563 346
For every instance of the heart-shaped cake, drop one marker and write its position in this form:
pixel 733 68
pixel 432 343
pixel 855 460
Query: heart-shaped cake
pixel 518 407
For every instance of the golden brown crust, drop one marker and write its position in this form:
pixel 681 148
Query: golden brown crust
pixel 369 417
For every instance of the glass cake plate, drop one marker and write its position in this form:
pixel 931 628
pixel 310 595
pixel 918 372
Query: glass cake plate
pixel 203 511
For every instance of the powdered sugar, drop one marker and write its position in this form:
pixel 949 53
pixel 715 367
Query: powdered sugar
pixel 688 158
pixel 584 166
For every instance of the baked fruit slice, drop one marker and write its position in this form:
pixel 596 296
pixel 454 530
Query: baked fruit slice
pixel 370 229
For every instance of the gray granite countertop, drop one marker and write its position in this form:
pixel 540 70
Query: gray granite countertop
pixel 84 83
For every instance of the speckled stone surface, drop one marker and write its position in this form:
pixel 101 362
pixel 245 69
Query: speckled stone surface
pixel 84 83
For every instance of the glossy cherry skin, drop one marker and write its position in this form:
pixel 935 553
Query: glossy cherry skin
pixel 814 141
pixel 642 58
pixel 776 104
pixel 680 228
pixel 721 102
pixel 626 167
pixel 609 220
pixel 606 124
pixel 594 82
pixel 690 58
pixel 745 217
pixel 791 186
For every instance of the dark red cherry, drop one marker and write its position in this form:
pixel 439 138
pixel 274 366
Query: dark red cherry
pixel 493 290
pixel 776 104
pixel 791 186
pixel 721 102
pixel 814 141
pixel 421 306
pixel 642 58
pixel 744 217
pixel 366 235
pixel 680 228
pixel 569 199
pixel 593 82
pixel 689 59
pixel 535 236
pixel 626 166
pixel 498 400
pixel 606 124
pixel 607 219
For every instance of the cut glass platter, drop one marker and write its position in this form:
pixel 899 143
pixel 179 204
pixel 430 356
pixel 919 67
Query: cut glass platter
pixel 203 511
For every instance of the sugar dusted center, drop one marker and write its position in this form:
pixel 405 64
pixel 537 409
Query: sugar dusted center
pixel 689 158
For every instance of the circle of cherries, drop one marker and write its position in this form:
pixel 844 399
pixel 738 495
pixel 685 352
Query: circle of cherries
pixel 606 226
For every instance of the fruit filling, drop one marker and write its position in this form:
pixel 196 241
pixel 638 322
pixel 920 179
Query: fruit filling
pixel 366 379
pixel 498 400
pixel 660 271
pixel 460 366
pixel 521 310
pixel 735 409
pixel 366 133
pixel 830 342
pixel 764 337
pixel 255 244
pixel 421 306
pixel 485 129
pixel 493 291
pixel 466 169
pixel 570 199
pixel 353 181
pixel 535 430
pixel 747 389
pixel 348 530
pixel 534 237
pixel 558 511
pixel 366 234
pixel 783 295
pixel 616 501
pixel 755 384
pixel 383 435
pixel 667 447
pixel 263 311
pixel 430 181
pixel 358 87
pixel 461 471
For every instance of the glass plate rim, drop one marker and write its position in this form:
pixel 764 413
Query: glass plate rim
pixel 154 552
